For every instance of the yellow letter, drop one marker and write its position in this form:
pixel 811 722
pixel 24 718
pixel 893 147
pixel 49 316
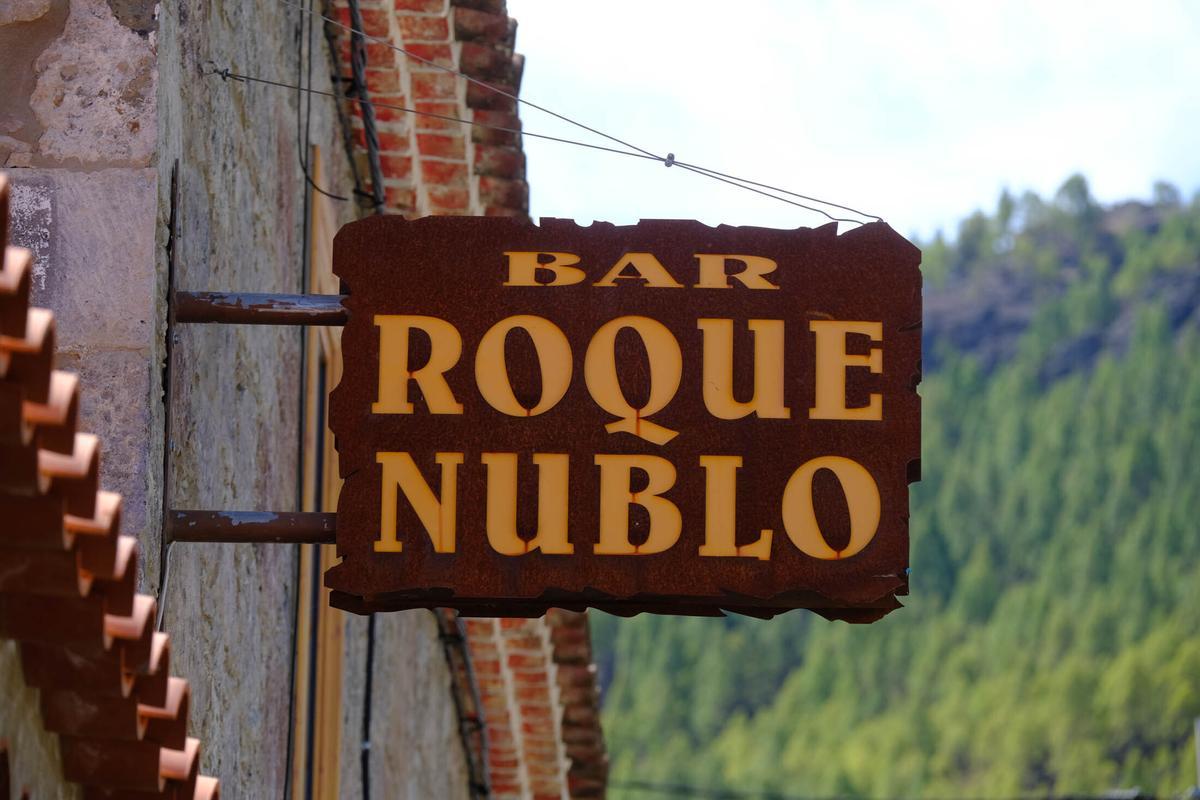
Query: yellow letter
pixel 713 275
pixel 665 368
pixel 768 370
pixel 554 362
pixel 720 512
pixel 552 504
pixel 649 269
pixel 445 346
pixel 438 516
pixel 862 498
pixel 616 498
pixel 832 361
pixel 523 267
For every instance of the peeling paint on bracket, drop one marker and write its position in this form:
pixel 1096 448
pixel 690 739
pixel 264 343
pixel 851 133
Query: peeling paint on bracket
pixel 251 308
pixel 251 526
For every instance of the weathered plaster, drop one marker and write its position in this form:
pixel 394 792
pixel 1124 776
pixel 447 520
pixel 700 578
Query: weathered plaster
pixel 116 402
pixel 21 42
pixel 115 106
pixel 30 220
pixel 95 92
pixel 23 11
pixel 92 234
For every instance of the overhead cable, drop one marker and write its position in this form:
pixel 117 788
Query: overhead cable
pixel 483 84
pixel 226 74
pixel 669 160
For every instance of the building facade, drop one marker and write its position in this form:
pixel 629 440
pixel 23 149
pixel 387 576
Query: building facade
pixel 218 145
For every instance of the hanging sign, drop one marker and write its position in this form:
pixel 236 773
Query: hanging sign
pixel 662 417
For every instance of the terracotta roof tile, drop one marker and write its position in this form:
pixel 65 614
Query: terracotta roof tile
pixel 68 578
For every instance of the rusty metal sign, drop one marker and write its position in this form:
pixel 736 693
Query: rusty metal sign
pixel 664 417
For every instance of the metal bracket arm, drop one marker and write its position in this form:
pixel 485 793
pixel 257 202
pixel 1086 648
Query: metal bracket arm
pixel 255 308
pixel 251 308
pixel 304 527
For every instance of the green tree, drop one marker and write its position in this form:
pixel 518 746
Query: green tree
pixel 1051 643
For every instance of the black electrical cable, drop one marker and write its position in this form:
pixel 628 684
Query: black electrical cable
pixel 314 623
pixel 316 599
pixel 336 80
pixel 301 422
pixel 358 67
pixel 304 101
pixel 289 759
pixel 365 755
pixel 453 637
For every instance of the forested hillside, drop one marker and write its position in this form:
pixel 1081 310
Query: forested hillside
pixel 1051 642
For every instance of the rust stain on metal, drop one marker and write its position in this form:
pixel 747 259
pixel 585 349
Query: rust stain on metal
pixel 251 526
pixel 254 308
pixel 667 417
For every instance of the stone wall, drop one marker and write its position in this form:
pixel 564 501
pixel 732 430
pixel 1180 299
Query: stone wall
pixel 235 389
pixel 113 123
pixel 235 432
pixel 106 98
pixel 77 127
pixel 415 747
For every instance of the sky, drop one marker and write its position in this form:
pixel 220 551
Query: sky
pixel 918 112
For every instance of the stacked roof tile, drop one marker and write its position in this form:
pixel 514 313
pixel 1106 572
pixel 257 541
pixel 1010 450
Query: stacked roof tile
pixel 67 577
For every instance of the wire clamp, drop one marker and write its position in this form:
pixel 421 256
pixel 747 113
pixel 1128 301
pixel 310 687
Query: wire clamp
pixel 224 73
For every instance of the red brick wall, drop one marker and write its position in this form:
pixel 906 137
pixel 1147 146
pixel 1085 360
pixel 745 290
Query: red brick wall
pixel 535 676
pixel 436 166
pixel 537 684
pixel 517 679
pixel 579 702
